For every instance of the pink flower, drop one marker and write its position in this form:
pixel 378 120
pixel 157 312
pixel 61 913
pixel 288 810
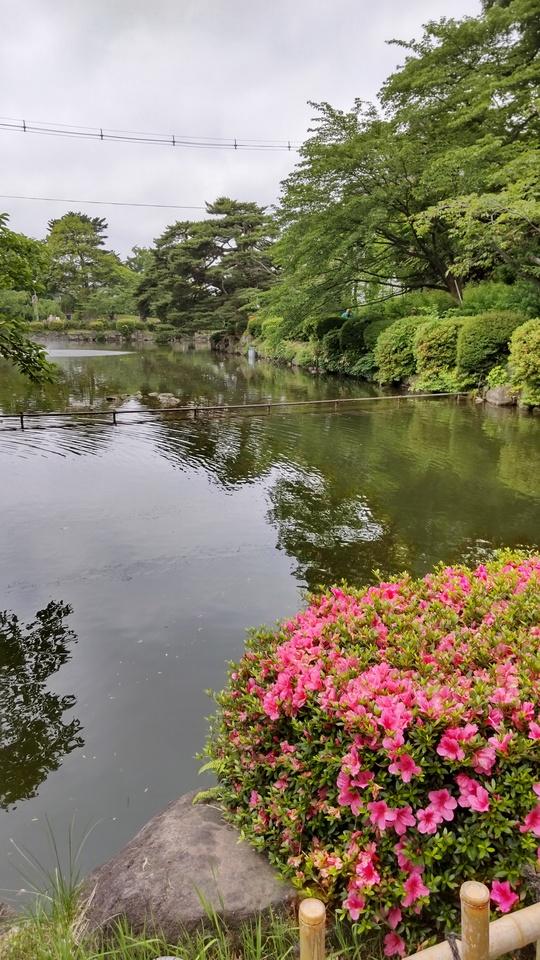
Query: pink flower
pixel 443 802
pixel 254 798
pixel 403 818
pixel 484 760
pixel 405 767
pixel 532 822
pixel 414 889
pixel 380 814
pixel 534 730
pixel 367 875
pixel 503 895
pixel 472 794
pixel 354 903
pixel 450 747
pixel 393 944
pixel 428 820
pixel 394 917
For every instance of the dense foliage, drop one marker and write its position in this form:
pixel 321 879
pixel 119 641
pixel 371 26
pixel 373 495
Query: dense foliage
pixel 205 274
pixel 483 342
pixel 383 745
pixel 525 360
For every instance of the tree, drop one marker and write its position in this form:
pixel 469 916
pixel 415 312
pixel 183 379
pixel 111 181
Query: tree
pixel 23 261
pixel 79 264
pixel 432 188
pixel 23 265
pixel 205 274
pixel 35 735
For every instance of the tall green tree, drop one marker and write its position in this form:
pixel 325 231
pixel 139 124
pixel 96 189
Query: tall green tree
pixel 23 268
pixel 430 189
pixel 82 271
pixel 206 274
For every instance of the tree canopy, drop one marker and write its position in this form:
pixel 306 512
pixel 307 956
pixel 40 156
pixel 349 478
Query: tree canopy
pixel 206 274
pixel 435 186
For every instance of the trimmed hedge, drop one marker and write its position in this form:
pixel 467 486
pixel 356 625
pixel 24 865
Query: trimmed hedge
pixel 483 343
pixel 383 746
pixel 394 351
pixel 525 361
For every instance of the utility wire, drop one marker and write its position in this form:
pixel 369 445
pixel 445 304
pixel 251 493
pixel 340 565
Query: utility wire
pixel 111 203
pixel 71 131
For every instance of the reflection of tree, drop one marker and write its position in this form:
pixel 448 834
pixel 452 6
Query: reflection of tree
pixel 34 737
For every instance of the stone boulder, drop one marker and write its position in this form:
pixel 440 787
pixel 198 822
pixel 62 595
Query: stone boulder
pixel 182 857
pixel 501 396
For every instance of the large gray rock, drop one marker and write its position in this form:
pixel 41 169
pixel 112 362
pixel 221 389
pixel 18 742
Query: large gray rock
pixel 501 396
pixel 182 856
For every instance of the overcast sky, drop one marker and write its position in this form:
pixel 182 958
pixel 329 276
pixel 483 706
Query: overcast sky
pixel 209 68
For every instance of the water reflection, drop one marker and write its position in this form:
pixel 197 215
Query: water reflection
pixel 380 486
pixel 34 733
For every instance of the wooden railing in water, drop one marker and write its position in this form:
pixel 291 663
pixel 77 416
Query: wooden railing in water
pixel 199 411
pixel 480 939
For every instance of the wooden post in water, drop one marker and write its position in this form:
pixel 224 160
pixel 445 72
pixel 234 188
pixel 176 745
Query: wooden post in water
pixel 312 924
pixel 474 921
pixel 22 420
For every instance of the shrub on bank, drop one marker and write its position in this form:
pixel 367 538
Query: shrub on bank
pixel 384 744
pixel 483 343
pixel 394 350
pixel 525 361
pixel 435 349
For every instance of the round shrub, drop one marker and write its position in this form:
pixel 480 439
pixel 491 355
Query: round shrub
pixel 127 326
pixel 351 336
pixel 393 352
pixel 373 329
pixel 56 324
pixel 525 360
pixel 96 325
pixel 435 344
pixel 166 333
pixel 483 343
pixel 384 745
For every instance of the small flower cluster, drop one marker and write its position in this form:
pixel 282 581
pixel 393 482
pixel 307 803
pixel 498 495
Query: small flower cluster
pixel 384 745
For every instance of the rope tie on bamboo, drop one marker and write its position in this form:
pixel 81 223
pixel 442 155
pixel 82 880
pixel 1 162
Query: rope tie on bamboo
pixel 452 939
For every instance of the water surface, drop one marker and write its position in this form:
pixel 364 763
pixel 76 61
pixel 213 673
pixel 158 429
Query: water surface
pixel 169 538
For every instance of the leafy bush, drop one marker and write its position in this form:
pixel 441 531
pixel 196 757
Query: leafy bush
pixel 435 344
pixel 490 295
pixel 56 324
pixel 166 333
pixel 394 353
pixel 498 376
pixel 384 744
pixel 435 348
pixel 351 335
pixel 373 329
pixel 306 355
pixel 331 345
pixel 127 326
pixel 525 360
pixel 96 325
pixel 254 326
pixel 483 343
pixel 418 302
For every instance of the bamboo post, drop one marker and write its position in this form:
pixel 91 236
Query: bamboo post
pixel 474 921
pixel 312 924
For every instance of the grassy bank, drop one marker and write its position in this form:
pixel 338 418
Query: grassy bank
pixel 56 929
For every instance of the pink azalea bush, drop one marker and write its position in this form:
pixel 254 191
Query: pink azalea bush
pixel 383 746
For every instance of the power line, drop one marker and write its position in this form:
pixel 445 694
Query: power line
pixel 74 132
pixel 111 203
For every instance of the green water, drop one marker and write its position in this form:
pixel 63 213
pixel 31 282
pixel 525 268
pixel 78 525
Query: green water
pixel 169 538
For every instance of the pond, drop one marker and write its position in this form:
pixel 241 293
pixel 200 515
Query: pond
pixel 169 538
